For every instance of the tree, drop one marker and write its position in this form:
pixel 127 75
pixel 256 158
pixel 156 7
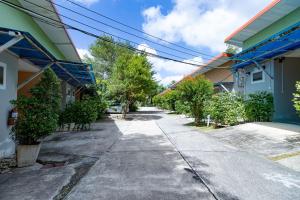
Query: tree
pixel 131 79
pixel 195 91
pixel 105 51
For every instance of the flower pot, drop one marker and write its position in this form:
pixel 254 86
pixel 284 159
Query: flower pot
pixel 27 154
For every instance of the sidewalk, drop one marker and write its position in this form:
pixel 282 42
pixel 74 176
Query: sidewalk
pixel 66 158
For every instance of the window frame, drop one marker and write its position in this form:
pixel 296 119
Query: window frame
pixel 4 66
pixel 258 81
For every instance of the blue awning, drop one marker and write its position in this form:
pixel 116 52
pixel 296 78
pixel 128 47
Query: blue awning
pixel 76 74
pixel 278 44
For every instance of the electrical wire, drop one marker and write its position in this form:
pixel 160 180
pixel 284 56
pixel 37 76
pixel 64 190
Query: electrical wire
pixel 110 33
pixel 28 11
pixel 105 24
pixel 135 29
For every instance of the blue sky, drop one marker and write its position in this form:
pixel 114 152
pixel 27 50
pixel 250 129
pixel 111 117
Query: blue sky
pixel 200 25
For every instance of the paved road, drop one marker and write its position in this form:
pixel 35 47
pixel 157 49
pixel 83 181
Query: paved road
pixel 146 163
pixel 142 164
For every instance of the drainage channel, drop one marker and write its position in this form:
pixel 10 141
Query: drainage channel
pixel 192 170
pixel 81 165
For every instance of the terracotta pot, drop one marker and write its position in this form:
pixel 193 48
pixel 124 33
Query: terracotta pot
pixel 27 154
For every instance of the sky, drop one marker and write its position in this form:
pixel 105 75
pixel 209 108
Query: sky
pixel 200 26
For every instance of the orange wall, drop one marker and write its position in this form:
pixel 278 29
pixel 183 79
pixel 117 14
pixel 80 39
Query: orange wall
pixel 218 74
pixel 23 76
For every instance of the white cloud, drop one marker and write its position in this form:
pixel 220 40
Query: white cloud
pixel 167 70
pixel 200 23
pixel 87 2
pixel 83 52
pixel 168 79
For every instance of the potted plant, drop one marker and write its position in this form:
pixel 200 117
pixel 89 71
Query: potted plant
pixel 37 117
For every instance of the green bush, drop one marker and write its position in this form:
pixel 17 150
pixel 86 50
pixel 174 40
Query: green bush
pixel 195 91
pixel 169 100
pixel 166 100
pixel 225 109
pixel 259 106
pixel 296 99
pixel 38 114
pixel 182 107
pixel 158 100
pixel 82 113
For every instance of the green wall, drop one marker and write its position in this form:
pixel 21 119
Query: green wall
pixel 15 19
pixel 274 28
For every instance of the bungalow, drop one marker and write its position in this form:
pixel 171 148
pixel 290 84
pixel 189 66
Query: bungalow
pixel 270 58
pixel 218 71
pixel 29 44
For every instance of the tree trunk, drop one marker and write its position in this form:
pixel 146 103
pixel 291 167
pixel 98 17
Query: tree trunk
pixel 125 109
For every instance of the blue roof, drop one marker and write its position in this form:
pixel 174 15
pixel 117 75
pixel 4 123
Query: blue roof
pixel 76 74
pixel 280 43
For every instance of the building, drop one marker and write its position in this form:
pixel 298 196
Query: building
pixel 218 71
pixel 270 57
pixel 29 44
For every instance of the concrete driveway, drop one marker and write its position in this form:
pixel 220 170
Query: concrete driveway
pixel 276 141
pixel 142 164
pixel 151 155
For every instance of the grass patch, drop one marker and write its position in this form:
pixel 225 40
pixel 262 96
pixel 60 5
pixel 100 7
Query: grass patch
pixel 284 156
pixel 202 127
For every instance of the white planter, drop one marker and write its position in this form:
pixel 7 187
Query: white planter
pixel 27 154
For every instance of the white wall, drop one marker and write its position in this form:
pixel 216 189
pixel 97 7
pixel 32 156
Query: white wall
pixel 7 146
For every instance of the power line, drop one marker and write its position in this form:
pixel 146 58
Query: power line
pixel 27 11
pixel 133 28
pixel 124 31
pixel 97 29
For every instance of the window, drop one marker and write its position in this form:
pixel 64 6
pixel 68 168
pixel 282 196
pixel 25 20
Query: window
pixel 257 77
pixel 2 75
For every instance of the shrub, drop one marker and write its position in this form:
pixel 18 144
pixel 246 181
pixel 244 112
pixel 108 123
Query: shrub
pixel 195 91
pixel 166 100
pixel 170 98
pixel 296 99
pixel 158 100
pixel 38 114
pixel 259 106
pixel 225 108
pixel 182 107
pixel 82 113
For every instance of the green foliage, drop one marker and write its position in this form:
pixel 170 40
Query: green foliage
pixel 38 114
pixel 105 52
pixel 225 108
pixel 182 107
pixel 158 100
pixel 82 113
pixel 170 99
pixel 166 100
pixel 296 98
pixel 131 80
pixel 195 91
pixel 259 106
